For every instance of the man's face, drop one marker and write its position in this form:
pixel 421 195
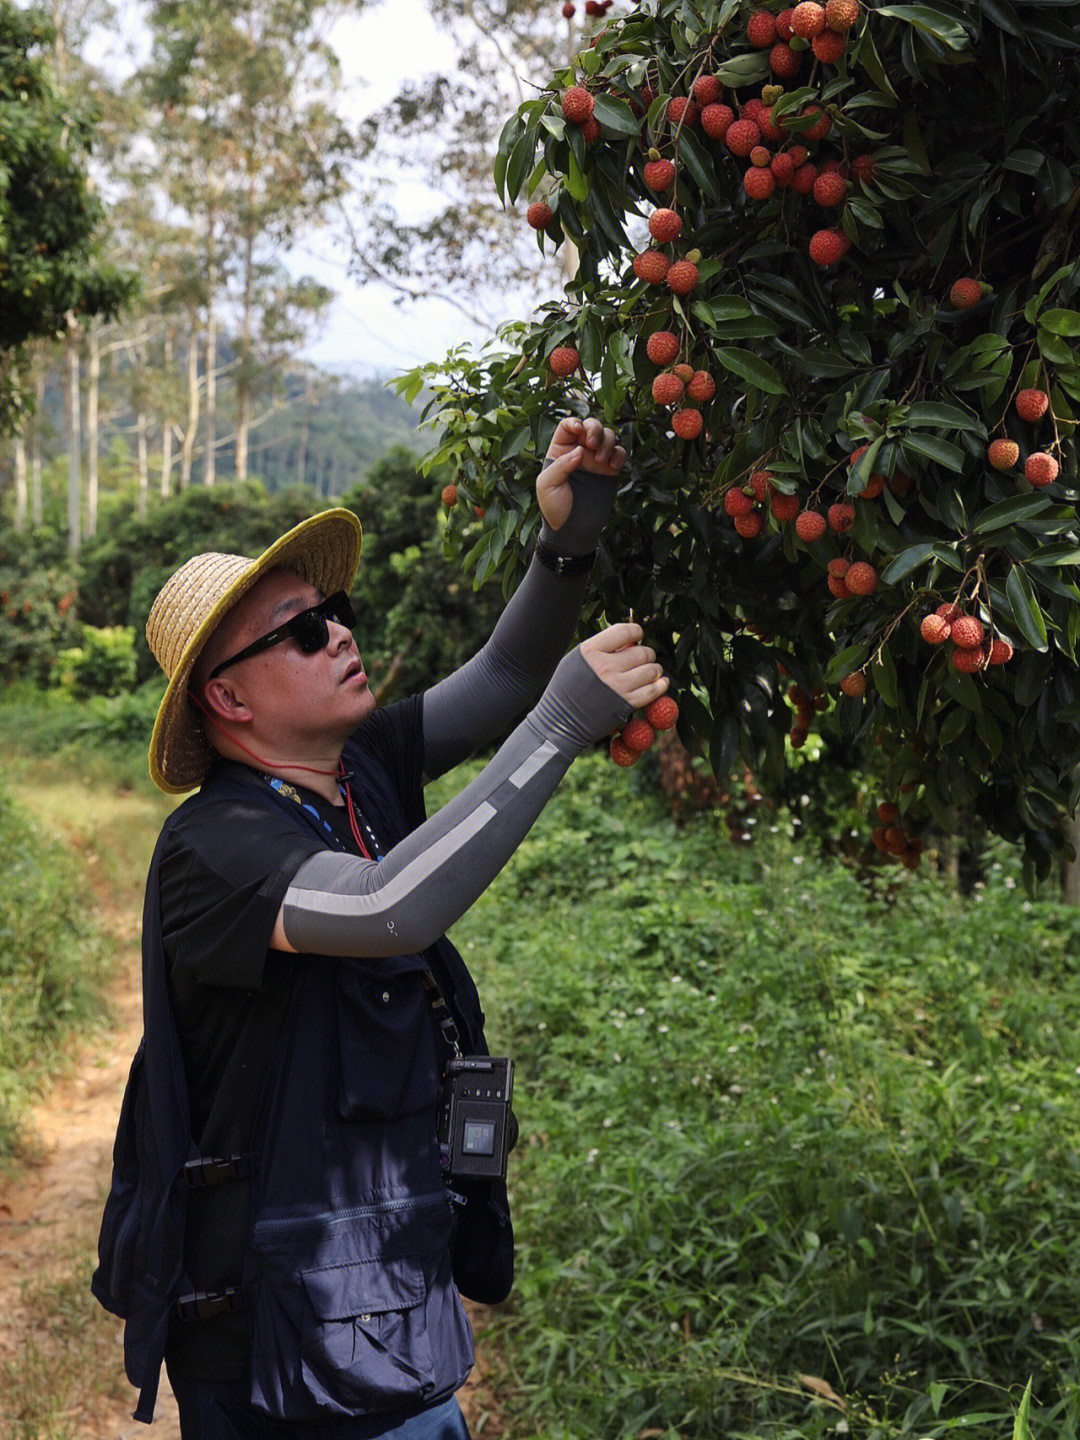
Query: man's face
pixel 295 701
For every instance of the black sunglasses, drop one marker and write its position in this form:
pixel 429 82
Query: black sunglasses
pixel 309 628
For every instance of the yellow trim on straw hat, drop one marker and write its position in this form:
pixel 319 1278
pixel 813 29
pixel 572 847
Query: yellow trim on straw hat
pixel 324 551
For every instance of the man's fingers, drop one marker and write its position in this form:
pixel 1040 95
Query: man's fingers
pixel 615 637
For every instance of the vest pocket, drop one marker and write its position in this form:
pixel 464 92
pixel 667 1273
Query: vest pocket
pixel 340 1310
pixel 386 1046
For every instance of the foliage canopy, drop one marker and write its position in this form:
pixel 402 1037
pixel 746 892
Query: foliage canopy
pixel 955 130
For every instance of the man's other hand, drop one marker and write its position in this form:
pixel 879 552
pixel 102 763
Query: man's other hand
pixel 576 445
pixel 626 665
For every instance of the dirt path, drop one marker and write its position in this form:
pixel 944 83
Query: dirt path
pixel 50 1211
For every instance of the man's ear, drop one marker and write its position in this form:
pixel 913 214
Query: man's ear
pixel 224 700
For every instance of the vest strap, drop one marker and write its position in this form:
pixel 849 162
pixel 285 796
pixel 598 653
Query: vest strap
pixel 213 1170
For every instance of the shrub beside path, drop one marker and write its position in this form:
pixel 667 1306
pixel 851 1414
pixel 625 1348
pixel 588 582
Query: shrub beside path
pixel 61 1365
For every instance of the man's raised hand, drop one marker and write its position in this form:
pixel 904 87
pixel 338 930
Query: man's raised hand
pixel 625 665
pixel 576 445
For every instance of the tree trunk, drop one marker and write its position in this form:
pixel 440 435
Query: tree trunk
pixel 243 383
pixel 301 454
pixel 142 460
pixel 92 440
pixel 211 397
pixel 188 451
pixel 1070 869
pixel 166 419
pixel 36 503
pixel 74 437
pixel 20 484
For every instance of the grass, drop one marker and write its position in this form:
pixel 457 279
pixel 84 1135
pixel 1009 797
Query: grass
pixel 780 1124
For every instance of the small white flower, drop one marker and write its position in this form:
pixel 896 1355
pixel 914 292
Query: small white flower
pixel 608 1122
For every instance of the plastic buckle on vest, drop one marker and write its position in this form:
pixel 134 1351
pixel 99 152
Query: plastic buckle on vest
pixel 203 1174
pixel 204 1304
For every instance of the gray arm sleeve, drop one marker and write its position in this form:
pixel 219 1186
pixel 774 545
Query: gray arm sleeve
pixel 341 905
pixel 482 698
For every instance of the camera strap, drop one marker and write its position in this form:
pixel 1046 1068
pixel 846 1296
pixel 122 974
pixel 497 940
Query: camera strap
pixel 446 1029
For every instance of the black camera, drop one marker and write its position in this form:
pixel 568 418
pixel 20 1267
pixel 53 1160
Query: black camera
pixel 476 1127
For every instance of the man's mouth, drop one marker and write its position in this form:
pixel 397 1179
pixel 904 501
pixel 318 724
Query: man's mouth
pixel 353 670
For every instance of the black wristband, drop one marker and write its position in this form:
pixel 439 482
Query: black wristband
pixel 563 564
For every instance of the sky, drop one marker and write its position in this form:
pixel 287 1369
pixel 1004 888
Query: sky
pixel 364 333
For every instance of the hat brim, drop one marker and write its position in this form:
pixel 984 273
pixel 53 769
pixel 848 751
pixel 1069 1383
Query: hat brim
pixel 324 551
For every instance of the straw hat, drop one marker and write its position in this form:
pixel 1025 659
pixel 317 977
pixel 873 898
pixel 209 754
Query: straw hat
pixel 324 550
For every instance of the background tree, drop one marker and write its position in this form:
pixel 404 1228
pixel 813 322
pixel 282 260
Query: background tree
pixel 864 247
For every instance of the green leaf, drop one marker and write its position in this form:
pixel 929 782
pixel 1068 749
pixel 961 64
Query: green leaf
pixel 1009 512
pixel 1061 322
pixel 1025 162
pixel 520 163
pixel 576 183
pixel 694 156
pixel 884 675
pixel 1065 552
pixel 948 417
pixel 932 447
pixel 846 661
pixel 930 22
pixel 616 115
pixel 751 368
pixel 908 560
pixel 1025 608
pixel 953 726
pixel 744 70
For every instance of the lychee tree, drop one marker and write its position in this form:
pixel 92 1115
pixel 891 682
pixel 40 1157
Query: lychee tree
pixel 828 294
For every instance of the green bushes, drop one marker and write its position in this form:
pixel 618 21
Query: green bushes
pixel 777 1125
pixel 51 960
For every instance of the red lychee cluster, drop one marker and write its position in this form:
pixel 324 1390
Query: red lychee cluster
pixel 1040 468
pixel 805 705
pixel 971 652
pixel 891 838
pixel 746 505
pixel 845 579
pixel 639 734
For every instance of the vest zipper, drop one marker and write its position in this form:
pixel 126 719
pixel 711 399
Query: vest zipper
pixel 359 1212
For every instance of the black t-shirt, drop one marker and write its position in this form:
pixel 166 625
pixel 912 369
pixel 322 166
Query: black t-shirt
pixel 225 866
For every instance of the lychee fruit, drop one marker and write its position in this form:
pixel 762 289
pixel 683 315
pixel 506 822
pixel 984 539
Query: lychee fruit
pixel 659 174
pixel 662 347
pixel 827 247
pixel 760 156
pixel 1001 652
pixel 652 267
pixel 684 372
pixel 837 587
pixel 861 578
pixel 784 507
pixel 965 293
pixel 888 812
pixel 568 9
pixel 707 90
pixel 667 389
pixel 1003 454
pixel 838 567
pixel 662 713
pixel 760 483
pixel 864 169
pixel 783 169
pixel 804 178
pixel 934 629
pixel 621 753
pixel 968 661
pixel 577 104
pixel 829 46
pixel 759 184
pixel 841 517
pixel 761 29
pixel 799 155
pixel 783 60
pixel 854 684
pixel 449 496
pixel 682 277
pixel 716 120
pixel 808 19
pixel 949 612
pixel 967 632
pixel 829 189
pixel 687 423
pixel 683 111
pixel 539 215
pixel 1040 469
pixel 749 526
pixel 665 226
pixel 590 130
pixel 564 360
pixel 841 14
pixel 821 127
pixel 701 386
pixel 810 526
pixel 737 502
pixel 899 482
pixel 638 734
pixel 783 23
pixel 741 137
pixel 1031 404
